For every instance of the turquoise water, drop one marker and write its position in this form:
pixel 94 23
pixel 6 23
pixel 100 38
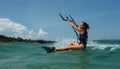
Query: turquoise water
pixel 98 55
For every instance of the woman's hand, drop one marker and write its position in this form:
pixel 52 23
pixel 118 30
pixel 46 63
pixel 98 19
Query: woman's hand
pixel 71 21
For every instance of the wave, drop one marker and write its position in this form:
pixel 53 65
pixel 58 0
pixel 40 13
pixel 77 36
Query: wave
pixel 103 46
pixel 93 45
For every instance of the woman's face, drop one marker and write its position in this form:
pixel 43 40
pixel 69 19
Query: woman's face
pixel 81 25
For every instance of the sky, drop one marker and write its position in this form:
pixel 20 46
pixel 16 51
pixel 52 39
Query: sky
pixel 39 19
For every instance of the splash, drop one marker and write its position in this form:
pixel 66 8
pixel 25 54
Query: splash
pixel 61 42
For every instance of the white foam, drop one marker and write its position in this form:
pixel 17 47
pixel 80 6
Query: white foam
pixel 103 46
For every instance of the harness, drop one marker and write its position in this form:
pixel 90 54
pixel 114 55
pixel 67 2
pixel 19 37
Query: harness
pixel 83 38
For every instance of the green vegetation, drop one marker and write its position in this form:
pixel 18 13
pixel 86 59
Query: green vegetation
pixel 4 38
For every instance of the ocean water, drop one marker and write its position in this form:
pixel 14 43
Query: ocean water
pixel 103 54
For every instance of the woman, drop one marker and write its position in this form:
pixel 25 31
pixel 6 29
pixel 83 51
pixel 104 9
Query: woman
pixel 81 45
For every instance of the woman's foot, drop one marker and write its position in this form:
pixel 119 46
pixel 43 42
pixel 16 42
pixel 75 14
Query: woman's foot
pixel 49 49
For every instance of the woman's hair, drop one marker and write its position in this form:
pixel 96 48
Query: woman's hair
pixel 86 25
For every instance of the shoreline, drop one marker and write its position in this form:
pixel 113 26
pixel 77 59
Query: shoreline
pixel 7 39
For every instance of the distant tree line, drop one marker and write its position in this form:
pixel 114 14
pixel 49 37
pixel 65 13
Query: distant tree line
pixel 4 38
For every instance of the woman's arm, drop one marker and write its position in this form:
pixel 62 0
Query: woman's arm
pixel 74 25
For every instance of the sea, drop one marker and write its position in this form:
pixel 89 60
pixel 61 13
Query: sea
pixel 99 54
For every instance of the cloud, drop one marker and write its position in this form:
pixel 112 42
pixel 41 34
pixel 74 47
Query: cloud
pixel 41 32
pixel 10 28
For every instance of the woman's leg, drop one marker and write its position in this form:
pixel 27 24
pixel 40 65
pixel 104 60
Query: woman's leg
pixel 66 47
pixel 74 46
